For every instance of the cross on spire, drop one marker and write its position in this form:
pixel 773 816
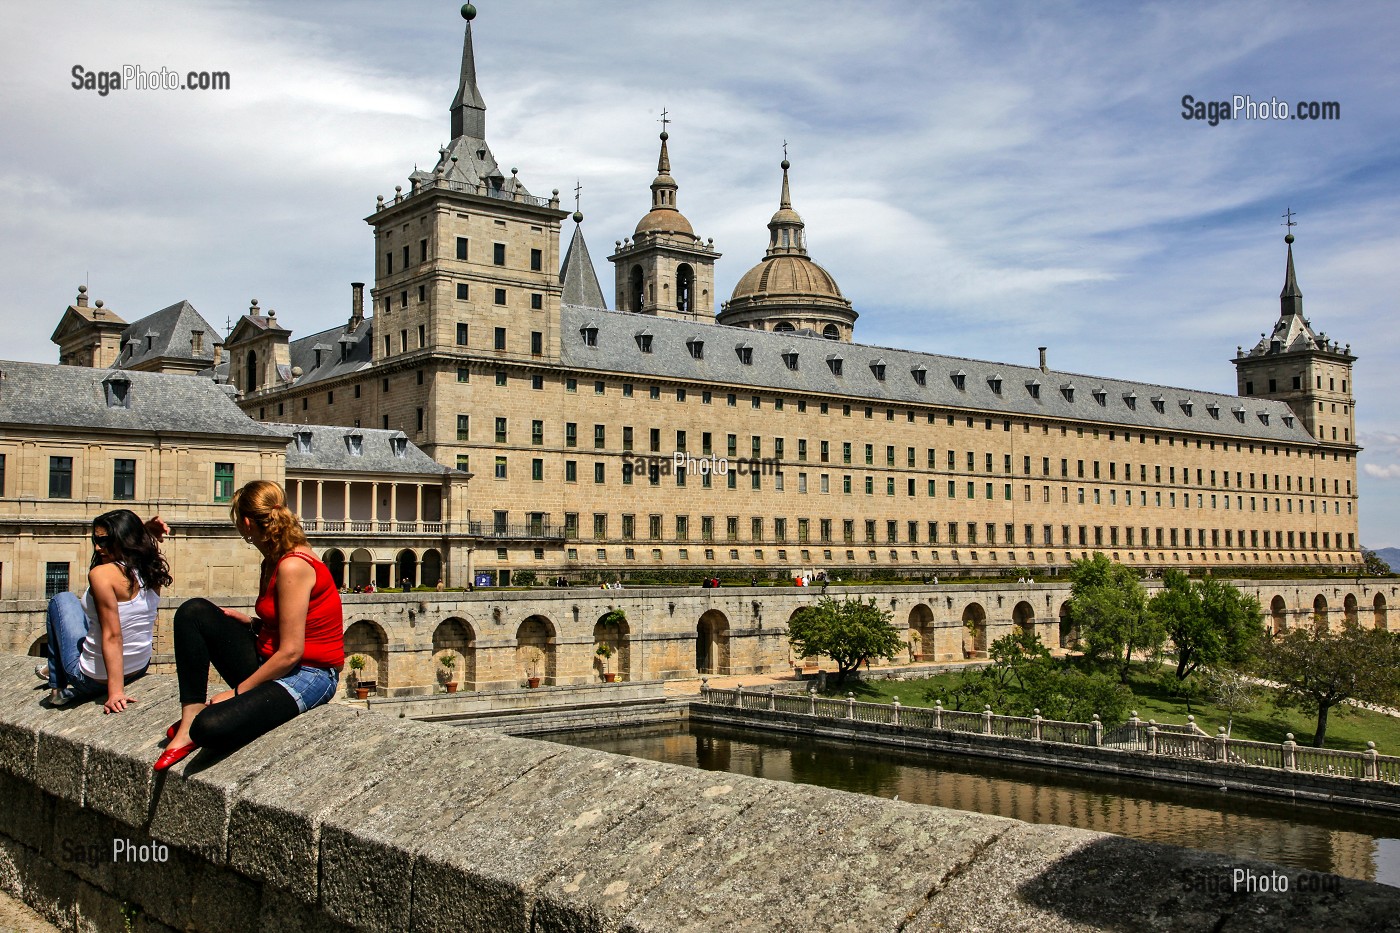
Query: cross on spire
pixel 578 188
pixel 785 149
pixel 664 119
pixel 1288 219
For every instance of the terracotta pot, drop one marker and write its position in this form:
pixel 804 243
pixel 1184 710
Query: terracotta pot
pixel 918 657
pixel 610 678
pixel 451 687
pixel 533 682
pixel 362 693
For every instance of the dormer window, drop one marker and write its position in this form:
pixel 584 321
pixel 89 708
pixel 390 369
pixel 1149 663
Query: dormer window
pixel 1288 420
pixel 959 379
pixel 1238 412
pixel 1033 387
pixel 790 359
pixel 1264 417
pixel 878 368
pixel 1130 399
pixel 1101 395
pixel 1159 403
pixel 1067 390
pixel 834 364
pixel 745 353
pixel 1187 405
pixel 117 389
pixel 644 341
pixel 1213 410
pixel 696 348
pixel 355 444
pixel 994 381
pixel 303 441
pixel 398 444
pixel 920 375
pixel 589 332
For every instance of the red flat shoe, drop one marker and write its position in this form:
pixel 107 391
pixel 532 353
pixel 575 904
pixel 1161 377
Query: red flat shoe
pixel 174 728
pixel 172 755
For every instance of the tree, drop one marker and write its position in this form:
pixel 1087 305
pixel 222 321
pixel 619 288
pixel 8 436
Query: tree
pixel 1231 690
pixel 1109 608
pixel 1316 669
pixel 1209 622
pixel 1373 565
pixel 850 632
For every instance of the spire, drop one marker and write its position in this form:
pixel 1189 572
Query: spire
pixel 468 109
pixel 1290 299
pixel 663 187
pixel 577 275
pixel 785 235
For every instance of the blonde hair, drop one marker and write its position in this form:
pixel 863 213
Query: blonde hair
pixel 264 504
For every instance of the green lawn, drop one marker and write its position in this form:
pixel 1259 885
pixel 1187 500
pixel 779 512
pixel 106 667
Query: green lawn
pixel 1347 728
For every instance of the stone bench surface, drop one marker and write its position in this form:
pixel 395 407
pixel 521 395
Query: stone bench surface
pixel 345 819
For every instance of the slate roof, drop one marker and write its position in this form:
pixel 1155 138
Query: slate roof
pixel 578 276
pixel 358 352
pixel 1072 396
pixel 77 397
pixel 330 452
pixel 170 331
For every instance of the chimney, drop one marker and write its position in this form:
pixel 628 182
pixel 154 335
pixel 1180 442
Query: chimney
pixel 1042 360
pixel 218 352
pixel 196 342
pixel 357 305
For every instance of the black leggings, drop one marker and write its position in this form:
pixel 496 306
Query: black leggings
pixel 204 635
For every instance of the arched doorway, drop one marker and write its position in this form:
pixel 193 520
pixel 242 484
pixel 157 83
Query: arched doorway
pixel 921 633
pixel 334 559
pixel 406 568
pixel 685 288
pixel 1069 638
pixel 974 619
pixel 455 636
pixel 534 649
pixel 1349 610
pixel 366 639
pixel 431 567
pixel 1023 619
pixel 712 643
pixel 1378 612
pixel 1320 611
pixel 616 634
pixel 634 289
pixel 39 648
pixel 1277 615
pixel 361 568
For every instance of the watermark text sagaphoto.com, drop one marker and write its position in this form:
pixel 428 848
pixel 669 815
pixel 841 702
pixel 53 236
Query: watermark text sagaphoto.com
pixel 1245 107
pixel 134 77
pixel 1247 881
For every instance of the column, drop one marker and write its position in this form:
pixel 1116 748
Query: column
pixel 319 485
pixel 374 504
pixel 417 502
pixel 393 502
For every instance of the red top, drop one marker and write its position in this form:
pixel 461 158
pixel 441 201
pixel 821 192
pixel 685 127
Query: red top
pixel 325 621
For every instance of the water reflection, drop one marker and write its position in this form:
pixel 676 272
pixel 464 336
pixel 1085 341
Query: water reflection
pixel 1350 843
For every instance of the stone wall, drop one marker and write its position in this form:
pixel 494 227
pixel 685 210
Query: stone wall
pixel 342 820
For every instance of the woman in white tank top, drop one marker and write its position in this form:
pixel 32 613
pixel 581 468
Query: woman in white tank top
pixel 102 642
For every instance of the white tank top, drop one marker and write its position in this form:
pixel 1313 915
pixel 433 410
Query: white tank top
pixel 137 616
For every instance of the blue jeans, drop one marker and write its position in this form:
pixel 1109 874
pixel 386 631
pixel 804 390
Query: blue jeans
pixel 67 627
pixel 310 686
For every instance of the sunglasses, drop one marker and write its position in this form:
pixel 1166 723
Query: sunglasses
pixel 99 540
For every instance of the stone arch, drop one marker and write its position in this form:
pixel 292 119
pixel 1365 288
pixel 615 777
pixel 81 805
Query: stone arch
pixel 617 635
pixel 1320 611
pixel 367 639
pixel 361 568
pixel 455 635
pixel 636 293
pixel 921 623
pixel 534 648
pixel 685 288
pixel 334 559
pixel 406 567
pixel 431 567
pixel 974 619
pixel 1349 613
pixel 1023 618
pixel 39 648
pixel 1069 635
pixel 831 332
pixel 712 643
pixel 1278 618
pixel 1379 612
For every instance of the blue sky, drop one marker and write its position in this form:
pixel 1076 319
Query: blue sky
pixel 981 179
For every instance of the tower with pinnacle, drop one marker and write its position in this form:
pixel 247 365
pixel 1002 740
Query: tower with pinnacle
pixel 1306 369
pixel 663 269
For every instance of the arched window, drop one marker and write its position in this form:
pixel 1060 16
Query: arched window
pixel 685 288
pixel 635 290
pixel 831 332
pixel 250 373
pixel 784 327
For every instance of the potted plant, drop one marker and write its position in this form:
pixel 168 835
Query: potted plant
pixel 535 656
pixel 605 651
pixel 357 664
pixel 916 642
pixel 449 664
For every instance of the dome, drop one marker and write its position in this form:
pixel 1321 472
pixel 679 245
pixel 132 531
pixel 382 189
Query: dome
pixel 788 277
pixel 664 220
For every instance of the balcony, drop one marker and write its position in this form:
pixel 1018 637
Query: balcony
pixel 323 527
pixel 530 531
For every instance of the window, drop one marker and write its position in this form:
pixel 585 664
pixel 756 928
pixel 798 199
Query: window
pixel 537 469
pixel 498 254
pixel 55 579
pixel 464 427
pixel 500 468
pixel 124 479
pixel 60 477
pixel 600 436
pixel 536 301
pixel 536 259
pixel 499 338
pixel 461 247
pixel 590 336
pixel 461 334
pixel 2 474
pixel 536 343
pixel 500 296
pixel 537 432
pixel 223 482
pixel 570 434
pixel 501 430
pixel 463 291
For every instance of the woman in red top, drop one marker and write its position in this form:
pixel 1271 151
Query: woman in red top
pixel 285 661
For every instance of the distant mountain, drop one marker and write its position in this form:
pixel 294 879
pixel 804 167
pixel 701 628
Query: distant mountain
pixel 1391 555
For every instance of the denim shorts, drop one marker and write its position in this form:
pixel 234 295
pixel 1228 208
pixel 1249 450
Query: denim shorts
pixel 310 686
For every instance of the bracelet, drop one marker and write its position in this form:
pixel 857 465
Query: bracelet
pixel 235 689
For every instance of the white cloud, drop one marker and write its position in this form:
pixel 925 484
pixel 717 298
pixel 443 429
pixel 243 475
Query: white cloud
pixel 1379 471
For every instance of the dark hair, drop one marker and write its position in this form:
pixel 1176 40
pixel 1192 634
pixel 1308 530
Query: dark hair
pixel 131 545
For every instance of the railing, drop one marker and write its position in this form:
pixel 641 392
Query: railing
pixel 1165 740
pixel 528 531
pixel 483 190
pixel 360 527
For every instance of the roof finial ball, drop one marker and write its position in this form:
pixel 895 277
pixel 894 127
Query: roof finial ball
pixel 665 136
pixel 468 12
pixel 785 165
pixel 1288 238
pixel 578 217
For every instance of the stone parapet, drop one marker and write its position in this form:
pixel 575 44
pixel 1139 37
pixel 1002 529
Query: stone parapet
pixel 343 820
